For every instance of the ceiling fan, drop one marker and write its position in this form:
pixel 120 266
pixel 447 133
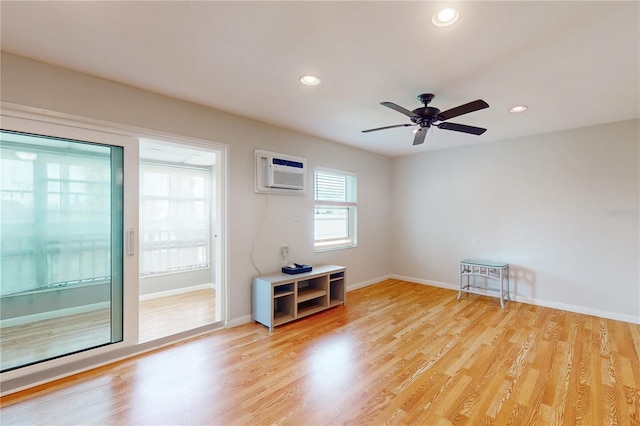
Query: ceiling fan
pixel 427 116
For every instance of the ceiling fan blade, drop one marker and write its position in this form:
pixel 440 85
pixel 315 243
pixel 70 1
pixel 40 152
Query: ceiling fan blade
pixel 461 128
pixel 400 109
pixel 420 135
pixel 463 109
pixel 388 127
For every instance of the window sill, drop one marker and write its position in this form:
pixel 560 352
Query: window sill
pixel 333 248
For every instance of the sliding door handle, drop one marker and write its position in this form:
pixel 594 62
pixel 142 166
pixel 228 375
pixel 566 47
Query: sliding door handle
pixel 130 241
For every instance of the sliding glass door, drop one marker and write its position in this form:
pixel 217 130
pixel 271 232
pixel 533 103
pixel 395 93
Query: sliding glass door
pixel 61 253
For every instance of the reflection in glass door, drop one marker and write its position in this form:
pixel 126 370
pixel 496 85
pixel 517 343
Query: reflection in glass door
pixel 61 231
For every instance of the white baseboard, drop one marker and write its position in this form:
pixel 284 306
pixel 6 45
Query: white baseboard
pixel 578 309
pixel 27 319
pixel 238 321
pixel 425 282
pixel 531 301
pixel 535 301
pixel 176 291
pixel 367 283
pixel 42 316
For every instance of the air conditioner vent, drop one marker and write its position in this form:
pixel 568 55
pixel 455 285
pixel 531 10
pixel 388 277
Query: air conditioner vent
pixel 280 173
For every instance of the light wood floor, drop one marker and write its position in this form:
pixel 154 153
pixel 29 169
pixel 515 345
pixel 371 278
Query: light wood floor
pixel 160 317
pixel 169 315
pixel 398 353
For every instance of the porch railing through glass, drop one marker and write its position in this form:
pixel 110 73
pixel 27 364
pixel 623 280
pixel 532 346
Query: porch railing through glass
pixel 61 250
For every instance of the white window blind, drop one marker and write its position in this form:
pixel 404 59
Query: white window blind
pixel 335 195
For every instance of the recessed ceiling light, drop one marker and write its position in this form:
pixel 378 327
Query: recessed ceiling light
pixel 445 17
pixel 310 80
pixel 517 109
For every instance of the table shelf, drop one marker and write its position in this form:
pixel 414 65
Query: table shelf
pixel 280 298
pixel 309 294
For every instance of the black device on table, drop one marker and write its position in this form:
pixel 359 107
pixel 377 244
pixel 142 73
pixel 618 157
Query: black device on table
pixel 296 268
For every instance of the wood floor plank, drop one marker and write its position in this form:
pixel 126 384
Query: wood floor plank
pixel 397 353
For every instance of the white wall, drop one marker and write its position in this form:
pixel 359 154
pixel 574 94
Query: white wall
pixel 539 202
pixel 561 208
pixel 35 84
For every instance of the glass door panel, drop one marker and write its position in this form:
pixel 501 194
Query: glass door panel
pixel 61 252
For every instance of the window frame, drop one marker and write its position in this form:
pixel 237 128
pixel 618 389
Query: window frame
pixel 350 204
pixel 26 121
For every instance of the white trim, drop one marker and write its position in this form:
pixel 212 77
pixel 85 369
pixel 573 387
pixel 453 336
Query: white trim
pixel 535 301
pixel 425 282
pixel 42 115
pixel 180 271
pixel 337 172
pixel 42 316
pixel 238 321
pixel 176 291
pixel 577 309
pixel 367 283
pixel 321 203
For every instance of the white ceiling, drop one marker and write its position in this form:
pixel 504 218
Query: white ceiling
pixel 573 64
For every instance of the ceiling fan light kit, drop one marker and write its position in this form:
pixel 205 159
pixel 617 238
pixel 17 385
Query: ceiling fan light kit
pixel 427 116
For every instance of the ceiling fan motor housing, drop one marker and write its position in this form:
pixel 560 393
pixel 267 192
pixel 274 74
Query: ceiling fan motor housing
pixel 427 115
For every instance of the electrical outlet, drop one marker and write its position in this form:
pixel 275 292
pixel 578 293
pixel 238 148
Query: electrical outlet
pixel 476 242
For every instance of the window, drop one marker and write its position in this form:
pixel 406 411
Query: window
pixel 335 196
pixel 175 218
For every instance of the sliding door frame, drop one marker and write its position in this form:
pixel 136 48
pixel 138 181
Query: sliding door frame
pixel 34 120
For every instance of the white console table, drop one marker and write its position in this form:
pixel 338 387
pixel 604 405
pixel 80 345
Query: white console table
pixel 494 270
pixel 280 298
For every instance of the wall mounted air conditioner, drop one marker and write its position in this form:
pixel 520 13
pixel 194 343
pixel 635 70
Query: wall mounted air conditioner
pixel 283 173
pixel 280 173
